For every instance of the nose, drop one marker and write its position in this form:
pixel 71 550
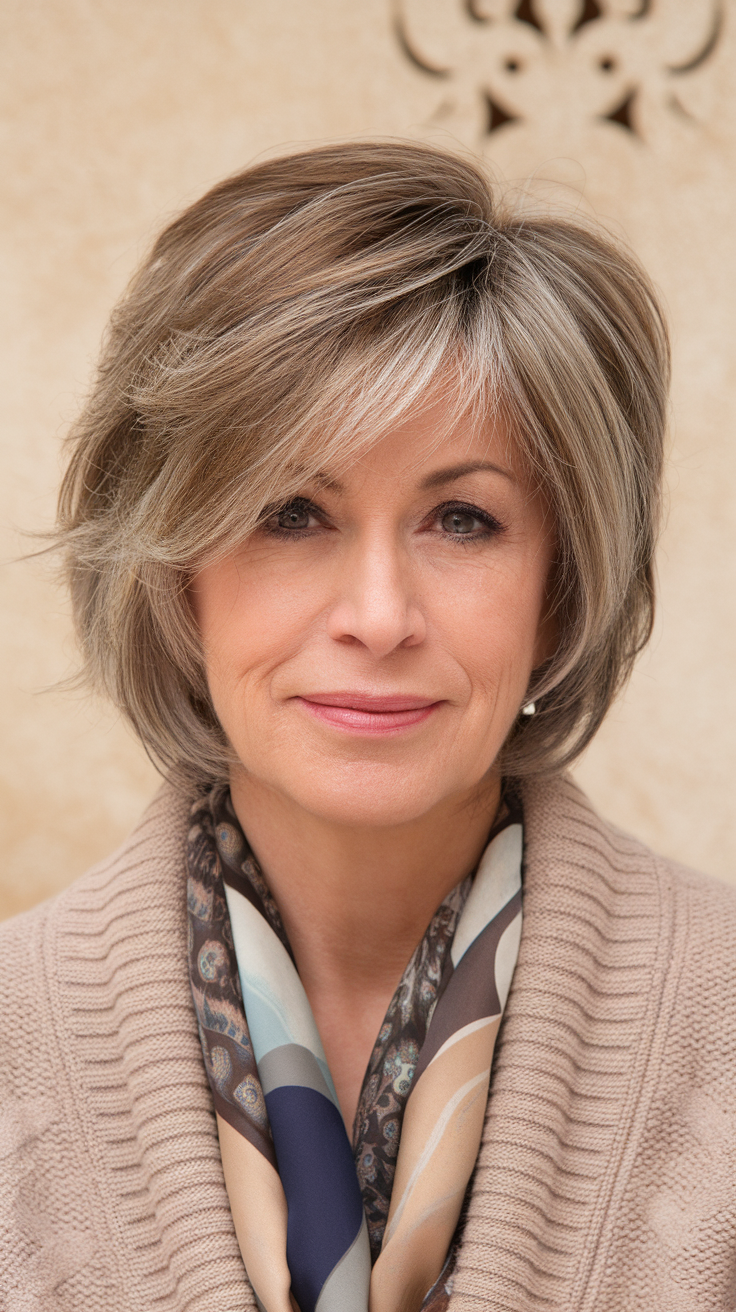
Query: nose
pixel 375 605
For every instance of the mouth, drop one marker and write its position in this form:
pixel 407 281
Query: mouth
pixel 362 713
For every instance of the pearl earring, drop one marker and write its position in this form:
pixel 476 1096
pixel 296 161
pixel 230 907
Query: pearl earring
pixel 529 709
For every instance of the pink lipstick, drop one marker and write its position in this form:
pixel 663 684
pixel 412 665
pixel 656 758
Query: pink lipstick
pixel 364 714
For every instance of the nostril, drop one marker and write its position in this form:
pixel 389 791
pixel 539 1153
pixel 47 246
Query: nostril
pixel 607 64
pixel 513 66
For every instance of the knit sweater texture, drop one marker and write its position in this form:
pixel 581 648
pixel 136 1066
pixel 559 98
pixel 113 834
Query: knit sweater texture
pixel 607 1173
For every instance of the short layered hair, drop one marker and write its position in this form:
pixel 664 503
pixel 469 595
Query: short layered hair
pixel 288 320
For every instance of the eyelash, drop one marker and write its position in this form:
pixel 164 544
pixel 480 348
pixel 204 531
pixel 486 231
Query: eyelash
pixel 298 503
pixel 493 526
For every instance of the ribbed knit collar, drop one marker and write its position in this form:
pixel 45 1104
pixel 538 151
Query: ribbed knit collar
pixel 569 1080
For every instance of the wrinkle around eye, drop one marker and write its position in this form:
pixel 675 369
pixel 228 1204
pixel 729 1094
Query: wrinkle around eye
pixel 488 526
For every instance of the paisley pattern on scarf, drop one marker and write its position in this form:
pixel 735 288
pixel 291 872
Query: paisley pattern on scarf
pixel 221 867
pixel 213 972
pixel 390 1071
pixel 388 1078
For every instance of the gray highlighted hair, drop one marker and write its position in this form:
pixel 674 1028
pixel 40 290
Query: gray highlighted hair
pixel 286 321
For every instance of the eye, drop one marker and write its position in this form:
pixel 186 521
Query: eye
pixel 297 516
pixel 294 516
pixel 461 521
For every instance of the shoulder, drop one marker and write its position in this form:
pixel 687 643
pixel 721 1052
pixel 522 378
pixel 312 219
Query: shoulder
pixel 151 855
pixel 629 922
pixel 617 1057
pixel 99 1039
pixel 74 957
pixel 565 833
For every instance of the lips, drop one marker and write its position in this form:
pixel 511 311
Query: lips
pixel 359 701
pixel 365 713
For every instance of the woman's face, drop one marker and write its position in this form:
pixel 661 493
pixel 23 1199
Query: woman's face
pixel 369 647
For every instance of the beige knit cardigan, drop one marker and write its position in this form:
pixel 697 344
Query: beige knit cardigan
pixel 607 1173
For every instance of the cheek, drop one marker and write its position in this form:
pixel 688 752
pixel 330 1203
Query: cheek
pixel 246 624
pixel 490 624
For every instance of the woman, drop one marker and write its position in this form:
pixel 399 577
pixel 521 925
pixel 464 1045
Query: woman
pixel 359 526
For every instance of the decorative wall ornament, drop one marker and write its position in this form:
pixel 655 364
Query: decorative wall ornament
pixel 557 62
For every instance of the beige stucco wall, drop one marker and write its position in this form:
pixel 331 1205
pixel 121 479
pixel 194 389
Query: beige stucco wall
pixel 114 115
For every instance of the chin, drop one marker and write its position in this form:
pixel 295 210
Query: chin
pixel 371 798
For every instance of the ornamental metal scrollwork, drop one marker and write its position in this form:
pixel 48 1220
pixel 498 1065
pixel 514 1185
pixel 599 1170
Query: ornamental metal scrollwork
pixel 507 61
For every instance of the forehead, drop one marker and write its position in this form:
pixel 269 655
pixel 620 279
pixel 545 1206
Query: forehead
pixel 429 447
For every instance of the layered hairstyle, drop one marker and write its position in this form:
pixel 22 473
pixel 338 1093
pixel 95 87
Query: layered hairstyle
pixel 285 322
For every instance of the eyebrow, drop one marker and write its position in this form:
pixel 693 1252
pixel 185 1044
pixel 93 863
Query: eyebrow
pixel 328 482
pixel 453 472
pixel 436 479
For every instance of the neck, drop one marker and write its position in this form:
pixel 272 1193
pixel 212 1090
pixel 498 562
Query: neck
pixel 355 902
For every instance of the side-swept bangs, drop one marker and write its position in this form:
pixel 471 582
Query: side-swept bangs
pixel 289 319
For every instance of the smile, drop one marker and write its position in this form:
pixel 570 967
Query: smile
pixel 360 713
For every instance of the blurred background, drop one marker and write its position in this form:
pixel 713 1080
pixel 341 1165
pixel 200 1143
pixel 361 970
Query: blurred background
pixel 114 116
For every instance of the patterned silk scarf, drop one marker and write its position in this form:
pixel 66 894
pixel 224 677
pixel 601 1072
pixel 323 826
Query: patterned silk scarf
pixel 322 1225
